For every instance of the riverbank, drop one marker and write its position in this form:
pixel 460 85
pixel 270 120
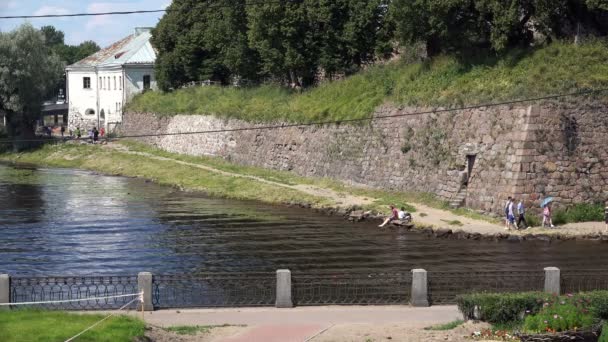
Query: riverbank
pixel 219 178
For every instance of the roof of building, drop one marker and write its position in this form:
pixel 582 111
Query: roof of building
pixel 133 49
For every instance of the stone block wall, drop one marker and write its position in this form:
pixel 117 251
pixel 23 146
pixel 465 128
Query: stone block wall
pixel 518 150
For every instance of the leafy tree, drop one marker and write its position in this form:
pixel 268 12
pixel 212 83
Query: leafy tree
pixel 281 33
pixel 28 69
pixel 203 40
pixel 53 37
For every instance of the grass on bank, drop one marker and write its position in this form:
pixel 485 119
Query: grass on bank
pixel 38 325
pixel 446 326
pixel 115 162
pixel 561 67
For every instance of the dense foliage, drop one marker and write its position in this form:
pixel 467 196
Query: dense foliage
pixel 297 42
pixel 28 71
pixel 289 42
pixel 537 311
pixel 68 54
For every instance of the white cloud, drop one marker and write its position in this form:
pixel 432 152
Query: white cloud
pixel 8 4
pixel 51 10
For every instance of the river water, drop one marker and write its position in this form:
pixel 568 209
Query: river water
pixel 68 222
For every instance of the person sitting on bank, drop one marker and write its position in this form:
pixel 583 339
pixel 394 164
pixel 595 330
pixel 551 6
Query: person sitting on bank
pixel 394 216
pixel 401 214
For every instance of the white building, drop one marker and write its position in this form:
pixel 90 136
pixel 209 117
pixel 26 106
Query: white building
pixel 99 86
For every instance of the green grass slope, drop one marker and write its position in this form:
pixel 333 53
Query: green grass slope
pixel 443 81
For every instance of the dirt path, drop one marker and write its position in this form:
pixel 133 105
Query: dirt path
pixel 424 215
pixel 341 199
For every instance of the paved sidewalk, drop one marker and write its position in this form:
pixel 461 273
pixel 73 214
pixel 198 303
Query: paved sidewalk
pixel 302 323
pixel 316 315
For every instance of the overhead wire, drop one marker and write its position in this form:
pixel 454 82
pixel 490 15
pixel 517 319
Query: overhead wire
pixel 209 5
pixel 334 122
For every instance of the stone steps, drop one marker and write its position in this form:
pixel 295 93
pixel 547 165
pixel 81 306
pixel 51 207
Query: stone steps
pixel 458 200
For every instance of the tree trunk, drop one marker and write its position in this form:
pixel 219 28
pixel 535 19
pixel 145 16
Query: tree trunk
pixel 433 46
pixel 20 129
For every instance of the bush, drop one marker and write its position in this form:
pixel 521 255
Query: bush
pixel 500 307
pixel 581 212
pixel 604 335
pixel 560 315
pixel 509 308
pixel 532 220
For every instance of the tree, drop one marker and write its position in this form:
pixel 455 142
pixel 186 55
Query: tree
pixel 198 40
pixel 28 69
pixel 53 37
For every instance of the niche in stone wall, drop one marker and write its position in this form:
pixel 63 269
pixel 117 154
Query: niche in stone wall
pixel 570 134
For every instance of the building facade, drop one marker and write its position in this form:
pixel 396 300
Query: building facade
pixel 99 85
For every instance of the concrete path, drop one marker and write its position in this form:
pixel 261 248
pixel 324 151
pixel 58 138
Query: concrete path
pixel 302 323
pixel 305 315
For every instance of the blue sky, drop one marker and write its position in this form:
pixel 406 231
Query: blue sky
pixel 104 30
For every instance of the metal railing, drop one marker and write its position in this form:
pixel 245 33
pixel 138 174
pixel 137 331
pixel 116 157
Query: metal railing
pixel 213 290
pixel 445 286
pixel 42 289
pixel 580 281
pixel 351 289
pixel 267 289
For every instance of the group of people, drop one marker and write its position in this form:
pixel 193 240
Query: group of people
pixel 93 134
pixel 521 215
pixel 395 215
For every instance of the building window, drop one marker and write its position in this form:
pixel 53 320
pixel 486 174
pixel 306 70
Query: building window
pixel 146 82
pixel 89 112
pixel 86 82
pixel 114 82
pixel 100 83
pixel 120 82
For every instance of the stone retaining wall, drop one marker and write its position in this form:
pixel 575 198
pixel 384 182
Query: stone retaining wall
pixel 528 151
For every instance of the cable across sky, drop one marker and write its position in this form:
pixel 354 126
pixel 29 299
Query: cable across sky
pixel 91 14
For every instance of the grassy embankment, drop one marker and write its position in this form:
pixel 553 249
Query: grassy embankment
pixel 444 81
pixel 117 162
pixel 34 325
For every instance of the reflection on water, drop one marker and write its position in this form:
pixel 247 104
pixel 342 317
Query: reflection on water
pixel 59 222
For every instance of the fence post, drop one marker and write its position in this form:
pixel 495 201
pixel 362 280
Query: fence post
pixel 5 290
pixel 552 280
pixel 144 283
pixel 420 294
pixel 283 299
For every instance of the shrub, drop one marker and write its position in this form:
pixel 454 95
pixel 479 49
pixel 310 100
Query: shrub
pixel 532 220
pixel 560 315
pixel 598 302
pixel 604 335
pixel 500 307
pixel 581 212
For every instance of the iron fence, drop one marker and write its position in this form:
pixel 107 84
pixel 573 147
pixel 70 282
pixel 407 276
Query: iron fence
pixel 42 289
pixel 443 287
pixel 213 290
pixel 351 289
pixel 585 280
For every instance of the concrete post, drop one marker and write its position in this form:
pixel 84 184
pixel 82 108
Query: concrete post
pixel 144 283
pixel 420 294
pixel 283 299
pixel 5 290
pixel 552 280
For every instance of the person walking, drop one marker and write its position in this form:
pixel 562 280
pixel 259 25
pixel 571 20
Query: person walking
pixel 62 131
pixel 506 209
pixel 511 214
pixel 521 215
pixel 547 216
pixel 606 216
pixel 90 134
pixel 78 133
pixel 95 135
pixel 102 132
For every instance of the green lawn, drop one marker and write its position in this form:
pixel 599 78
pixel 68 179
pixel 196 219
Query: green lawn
pixel 43 326
pixel 443 81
